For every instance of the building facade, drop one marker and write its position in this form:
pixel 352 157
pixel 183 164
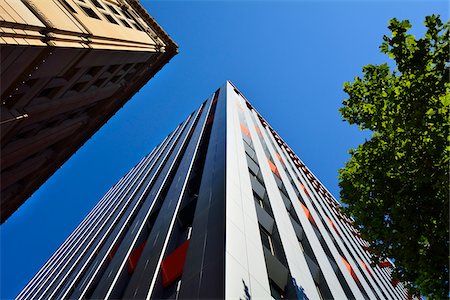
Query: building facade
pixel 66 67
pixel 221 208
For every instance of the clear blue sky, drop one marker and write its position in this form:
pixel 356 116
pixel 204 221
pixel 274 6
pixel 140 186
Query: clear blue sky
pixel 290 59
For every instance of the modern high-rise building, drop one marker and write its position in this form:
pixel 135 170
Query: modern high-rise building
pixel 222 208
pixel 67 66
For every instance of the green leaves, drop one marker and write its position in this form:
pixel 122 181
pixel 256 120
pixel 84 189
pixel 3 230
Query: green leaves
pixel 403 171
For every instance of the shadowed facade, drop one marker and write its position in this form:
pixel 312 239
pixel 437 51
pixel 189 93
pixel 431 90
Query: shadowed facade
pixel 67 66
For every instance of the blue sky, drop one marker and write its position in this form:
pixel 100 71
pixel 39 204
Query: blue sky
pixel 290 59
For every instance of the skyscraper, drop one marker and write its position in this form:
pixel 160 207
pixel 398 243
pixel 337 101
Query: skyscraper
pixel 221 208
pixel 67 67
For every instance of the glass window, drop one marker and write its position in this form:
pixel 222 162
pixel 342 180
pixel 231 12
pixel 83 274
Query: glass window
pixel 110 19
pixel 89 12
pixel 266 239
pixel 97 4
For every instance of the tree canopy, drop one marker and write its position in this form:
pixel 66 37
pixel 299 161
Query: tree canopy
pixel 396 184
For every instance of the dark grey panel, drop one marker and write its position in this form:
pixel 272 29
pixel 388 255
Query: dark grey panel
pixel 297 228
pixel 122 226
pixel 114 269
pixel 276 270
pixel 264 219
pixel 204 272
pixel 147 267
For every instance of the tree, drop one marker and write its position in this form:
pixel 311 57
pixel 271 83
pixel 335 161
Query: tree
pixel 396 184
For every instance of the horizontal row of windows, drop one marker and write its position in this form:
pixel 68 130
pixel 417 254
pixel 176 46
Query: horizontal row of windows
pixel 110 12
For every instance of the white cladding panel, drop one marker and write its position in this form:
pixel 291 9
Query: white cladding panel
pixel 329 232
pixel 244 262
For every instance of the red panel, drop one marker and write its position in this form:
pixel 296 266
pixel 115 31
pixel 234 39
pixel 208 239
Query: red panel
pixel 172 265
pixel 244 129
pixel 395 281
pixel 113 251
pixel 134 257
pixel 385 264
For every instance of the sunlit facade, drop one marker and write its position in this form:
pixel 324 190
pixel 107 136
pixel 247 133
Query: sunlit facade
pixel 221 208
pixel 67 66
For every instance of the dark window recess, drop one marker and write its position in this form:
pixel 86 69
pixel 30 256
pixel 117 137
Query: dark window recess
pixel 137 26
pixel 125 23
pixel 127 67
pixel 88 11
pixel 113 68
pixel 68 75
pixel 129 77
pixel 275 291
pixel 93 71
pixel 78 86
pixel 48 92
pixel 100 82
pixel 116 79
pixel 68 6
pixel 112 9
pixel 97 4
pixel 267 240
pixel 110 19
pixel 127 14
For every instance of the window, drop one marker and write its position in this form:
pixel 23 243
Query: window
pixel 301 246
pixel 68 6
pixel 110 19
pixel 126 14
pixel 48 92
pixel 92 71
pixel 137 26
pixel 259 201
pixel 89 12
pixel 113 10
pixel 100 82
pixel 275 291
pixel 113 68
pixel 125 23
pixel 267 240
pixel 189 232
pixel 78 86
pixel 97 4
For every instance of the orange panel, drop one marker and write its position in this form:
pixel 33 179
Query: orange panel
pixel 308 214
pixel 278 157
pixel 273 167
pixel 244 129
pixel 304 189
pixel 332 225
pixel 365 267
pixel 350 269
pixel 258 130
